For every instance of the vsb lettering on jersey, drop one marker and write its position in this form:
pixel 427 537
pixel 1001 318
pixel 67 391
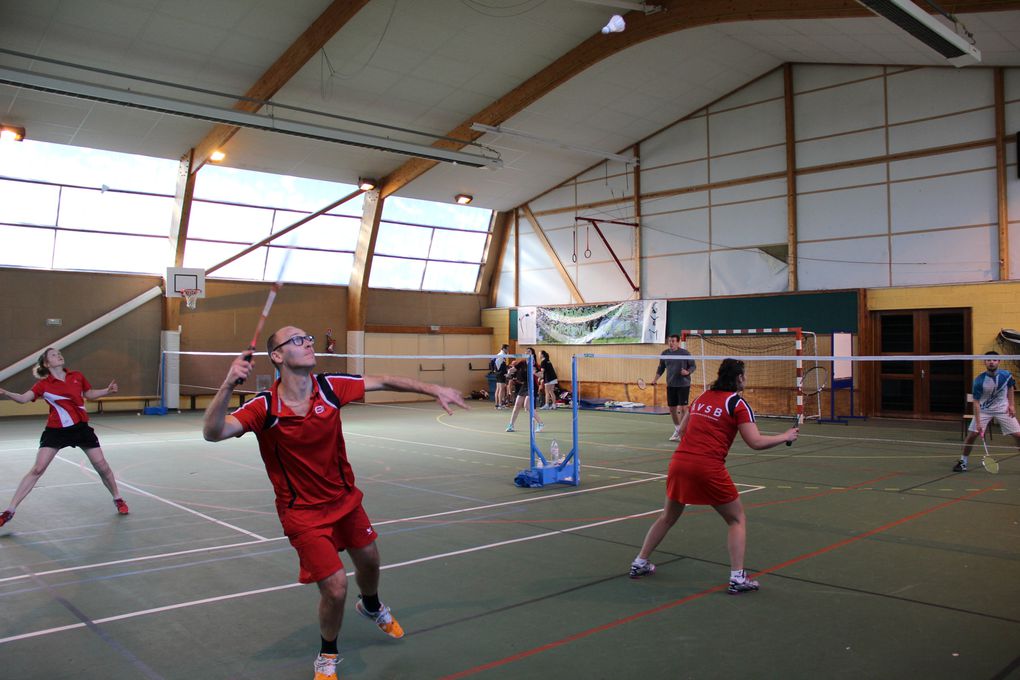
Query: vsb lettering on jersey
pixel 707 409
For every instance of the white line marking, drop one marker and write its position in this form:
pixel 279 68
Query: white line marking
pixel 192 551
pixel 491 453
pixel 168 502
pixel 286 586
pixel 144 558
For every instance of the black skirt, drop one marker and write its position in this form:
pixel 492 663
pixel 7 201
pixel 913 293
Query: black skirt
pixel 80 434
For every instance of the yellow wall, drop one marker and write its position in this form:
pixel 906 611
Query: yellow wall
pixel 499 321
pixel 994 306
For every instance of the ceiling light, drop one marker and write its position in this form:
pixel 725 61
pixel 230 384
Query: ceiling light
pixel 625 4
pixel 957 49
pixel 11 133
pixel 366 184
pixel 217 156
pixel 463 199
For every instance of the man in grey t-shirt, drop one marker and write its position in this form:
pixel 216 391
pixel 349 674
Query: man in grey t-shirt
pixel 678 383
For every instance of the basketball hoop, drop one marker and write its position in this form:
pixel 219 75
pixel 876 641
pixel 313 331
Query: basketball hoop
pixel 191 296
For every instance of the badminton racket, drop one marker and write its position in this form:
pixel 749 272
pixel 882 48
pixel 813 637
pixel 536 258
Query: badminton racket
pixel 990 464
pixel 270 299
pixel 811 383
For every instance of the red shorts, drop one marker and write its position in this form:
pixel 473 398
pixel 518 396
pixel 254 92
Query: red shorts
pixel 697 480
pixel 318 547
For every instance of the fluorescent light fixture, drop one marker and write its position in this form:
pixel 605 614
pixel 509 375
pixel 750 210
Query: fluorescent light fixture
pixel 500 129
pixel 926 28
pixel 624 4
pixel 217 156
pixel 176 107
pixel 366 184
pixel 463 199
pixel 11 133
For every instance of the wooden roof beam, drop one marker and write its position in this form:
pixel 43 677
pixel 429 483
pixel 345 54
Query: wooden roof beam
pixel 679 15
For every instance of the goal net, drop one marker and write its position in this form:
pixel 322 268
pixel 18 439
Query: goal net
pixel 774 369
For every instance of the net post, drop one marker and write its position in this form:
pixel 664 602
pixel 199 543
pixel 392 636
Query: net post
pixel 161 409
pixel 799 353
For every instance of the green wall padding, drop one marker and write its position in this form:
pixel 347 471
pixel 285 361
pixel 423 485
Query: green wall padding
pixel 818 312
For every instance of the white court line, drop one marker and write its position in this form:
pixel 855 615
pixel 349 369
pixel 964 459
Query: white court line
pixel 40 487
pixel 490 453
pixel 192 551
pixel 285 586
pixel 110 444
pixel 169 502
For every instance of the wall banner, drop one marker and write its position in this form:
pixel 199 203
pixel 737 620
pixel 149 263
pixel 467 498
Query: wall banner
pixel 623 323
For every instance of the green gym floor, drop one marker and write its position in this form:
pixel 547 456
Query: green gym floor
pixel 875 560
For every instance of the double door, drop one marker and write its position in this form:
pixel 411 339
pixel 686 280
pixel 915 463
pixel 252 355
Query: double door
pixel 920 388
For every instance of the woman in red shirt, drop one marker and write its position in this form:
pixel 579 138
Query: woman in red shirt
pixel 65 392
pixel 698 475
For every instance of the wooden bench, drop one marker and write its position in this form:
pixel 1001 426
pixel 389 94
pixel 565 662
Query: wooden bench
pixel 146 400
pixel 193 398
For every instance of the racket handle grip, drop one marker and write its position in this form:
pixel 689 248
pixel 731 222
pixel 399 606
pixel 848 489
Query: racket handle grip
pixel 240 381
pixel 789 443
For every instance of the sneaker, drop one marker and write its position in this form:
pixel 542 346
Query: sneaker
pixel 382 618
pixel 744 585
pixel 960 466
pixel 510 428
pixel 5 517
pixel 122 507
pixel 325 666
pixel 539 427
pixel 675 437
pixel 639 570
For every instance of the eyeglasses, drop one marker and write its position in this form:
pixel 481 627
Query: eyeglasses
pixel 297 340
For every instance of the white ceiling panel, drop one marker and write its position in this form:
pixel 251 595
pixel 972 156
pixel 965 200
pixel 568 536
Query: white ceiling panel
pixel 428 66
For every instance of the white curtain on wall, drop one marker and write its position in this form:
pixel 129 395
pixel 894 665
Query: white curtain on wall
pixel 872 223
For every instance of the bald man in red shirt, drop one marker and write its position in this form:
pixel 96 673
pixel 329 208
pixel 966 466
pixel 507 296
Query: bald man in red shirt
pixel 298 427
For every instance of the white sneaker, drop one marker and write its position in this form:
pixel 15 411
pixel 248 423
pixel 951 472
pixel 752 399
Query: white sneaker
pixel 509 428
pixel 675 437
pixel 539 427
pixel 325 666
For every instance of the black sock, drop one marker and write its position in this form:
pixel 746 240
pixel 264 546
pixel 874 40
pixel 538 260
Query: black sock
pixel 328 646
pixel 371 603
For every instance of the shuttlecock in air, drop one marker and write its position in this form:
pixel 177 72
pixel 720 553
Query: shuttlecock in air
pixel 616 25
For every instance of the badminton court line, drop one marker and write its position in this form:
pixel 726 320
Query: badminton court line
pixel 715 589
pixel 286 586
pixel 111 444
pixel 491 453
pixel 192 551
pixel 168 502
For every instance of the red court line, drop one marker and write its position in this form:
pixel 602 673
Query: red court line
pixel 676 603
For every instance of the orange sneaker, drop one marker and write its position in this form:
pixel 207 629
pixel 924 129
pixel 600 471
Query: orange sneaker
pixel 122 507
pixel 382 618
pixel 325 666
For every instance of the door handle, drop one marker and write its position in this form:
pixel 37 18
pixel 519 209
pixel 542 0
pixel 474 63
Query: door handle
pixel 922 374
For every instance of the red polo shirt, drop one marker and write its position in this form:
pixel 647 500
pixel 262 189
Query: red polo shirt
pixel 713 423
pixel 66 398
pixel 305 456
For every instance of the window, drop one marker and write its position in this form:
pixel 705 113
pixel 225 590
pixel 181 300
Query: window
pixel 422 245
pixel 89 209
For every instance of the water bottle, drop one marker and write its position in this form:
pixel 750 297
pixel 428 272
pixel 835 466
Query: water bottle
pixel 554 452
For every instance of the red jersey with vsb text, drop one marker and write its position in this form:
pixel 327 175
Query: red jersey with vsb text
pixel 712 424
pixel 305 456
pixel 66 398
